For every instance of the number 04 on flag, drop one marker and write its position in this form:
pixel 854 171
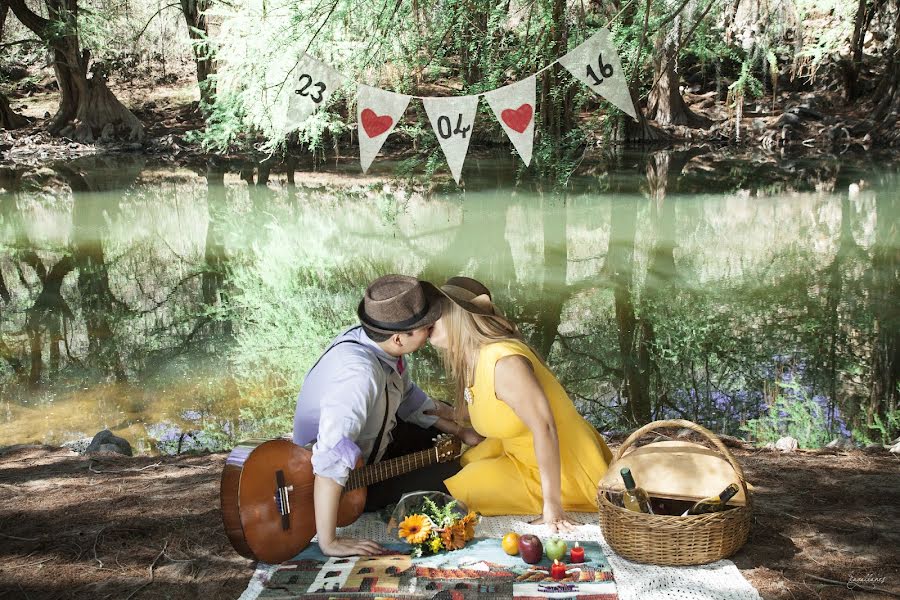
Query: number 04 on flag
pixel 595 63
pixel 452 120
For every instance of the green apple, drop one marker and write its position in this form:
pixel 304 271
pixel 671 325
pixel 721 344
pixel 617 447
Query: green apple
pixel 555 548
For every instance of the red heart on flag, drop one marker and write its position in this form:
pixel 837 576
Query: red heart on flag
pixel 518 119
pixel 374 124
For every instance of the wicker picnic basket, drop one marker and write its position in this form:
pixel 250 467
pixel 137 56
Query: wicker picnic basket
pixel 676 540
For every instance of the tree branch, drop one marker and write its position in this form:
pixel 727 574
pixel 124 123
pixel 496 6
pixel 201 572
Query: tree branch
pixel 637 61
pixel 29 19
pixel 681 43
pixel 17 42
pixel 150 20
pixel 672 15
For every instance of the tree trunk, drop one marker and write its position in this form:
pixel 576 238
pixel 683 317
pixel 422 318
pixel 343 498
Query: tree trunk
pixel 887 110
pixel 98 304
pixel 628 130
pixel 47 312
pixel 4 291
pixel 4 11
pixel 665 105
pixel 661 269
pixel 195 16
pixel 8 118
pixel 213 279
pixel 556 116
pixel 640 131
pixel 472 42
pixel 87 111
pixel 884 396
pixel 851 67
pixel 620 258
pixel 554 297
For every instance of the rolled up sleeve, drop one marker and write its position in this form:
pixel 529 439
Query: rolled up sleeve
pixel 345 409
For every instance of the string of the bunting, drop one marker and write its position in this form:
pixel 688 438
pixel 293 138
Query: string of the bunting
pixel 595 63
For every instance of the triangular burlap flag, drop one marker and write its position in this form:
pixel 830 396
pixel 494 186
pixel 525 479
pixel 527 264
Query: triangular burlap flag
pixel 377 113
pixel 513 105
pixel 452 120
pixel 596 64
pixel 310 84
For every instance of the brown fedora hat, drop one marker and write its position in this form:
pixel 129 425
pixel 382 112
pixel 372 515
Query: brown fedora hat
pixel 397 303
pixel 469 294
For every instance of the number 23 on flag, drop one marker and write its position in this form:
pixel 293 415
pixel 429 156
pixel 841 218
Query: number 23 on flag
pixel 305 82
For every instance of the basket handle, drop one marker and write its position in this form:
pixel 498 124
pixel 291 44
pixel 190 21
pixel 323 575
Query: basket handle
pixel 699 429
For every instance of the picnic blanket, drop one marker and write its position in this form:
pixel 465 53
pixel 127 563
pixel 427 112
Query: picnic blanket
pixel 483 570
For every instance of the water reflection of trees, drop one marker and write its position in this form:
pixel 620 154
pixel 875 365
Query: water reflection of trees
pixel 95 295
pixel 711 343
pixel 650 297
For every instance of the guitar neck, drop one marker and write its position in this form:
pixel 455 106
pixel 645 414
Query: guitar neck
pixel 371 474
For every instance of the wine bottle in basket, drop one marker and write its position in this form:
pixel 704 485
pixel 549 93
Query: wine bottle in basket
pixel 634 498
pixel 713 503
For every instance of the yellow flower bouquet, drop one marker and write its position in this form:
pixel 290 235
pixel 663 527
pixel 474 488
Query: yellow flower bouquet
pixel 436 525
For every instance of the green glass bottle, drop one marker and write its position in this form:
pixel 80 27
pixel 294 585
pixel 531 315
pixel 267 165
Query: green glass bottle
pixel 714 503
pixel 634 498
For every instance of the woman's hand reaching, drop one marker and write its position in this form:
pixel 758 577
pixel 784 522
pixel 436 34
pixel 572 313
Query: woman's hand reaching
pixel 469 436
pixel 447 423
pixel 350 547
pixel 555 519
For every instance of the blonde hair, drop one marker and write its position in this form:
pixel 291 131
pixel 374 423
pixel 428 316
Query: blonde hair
pixel 466 334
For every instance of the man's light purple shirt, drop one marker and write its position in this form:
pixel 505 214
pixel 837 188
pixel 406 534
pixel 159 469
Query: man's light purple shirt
pixel 342 402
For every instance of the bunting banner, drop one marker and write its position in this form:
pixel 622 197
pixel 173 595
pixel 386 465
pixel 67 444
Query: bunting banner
pixel 312 83
pixel 377 113
pixel 595 63
pixel 513 105
pixel 452 120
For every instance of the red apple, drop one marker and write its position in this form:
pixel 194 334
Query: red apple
pixel 531 549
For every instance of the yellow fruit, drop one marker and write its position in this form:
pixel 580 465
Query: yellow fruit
pixel 510 543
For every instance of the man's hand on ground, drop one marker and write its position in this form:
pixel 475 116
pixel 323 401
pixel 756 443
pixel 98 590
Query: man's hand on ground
pixel 351 547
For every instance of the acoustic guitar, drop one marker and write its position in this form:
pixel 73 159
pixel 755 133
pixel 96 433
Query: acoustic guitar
pixel 267 493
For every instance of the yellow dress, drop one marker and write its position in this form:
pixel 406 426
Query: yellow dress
pixel 500 475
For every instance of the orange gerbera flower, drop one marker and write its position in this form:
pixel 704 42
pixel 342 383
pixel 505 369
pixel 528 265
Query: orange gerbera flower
pixel 469 521
pixel 454 536
pixel 415 528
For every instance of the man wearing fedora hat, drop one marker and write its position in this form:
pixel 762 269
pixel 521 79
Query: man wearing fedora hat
pixel 358 401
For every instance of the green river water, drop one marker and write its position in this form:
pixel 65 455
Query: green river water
pixel 156 300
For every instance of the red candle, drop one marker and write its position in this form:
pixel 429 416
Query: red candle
pixel 576 554
pixel 557 570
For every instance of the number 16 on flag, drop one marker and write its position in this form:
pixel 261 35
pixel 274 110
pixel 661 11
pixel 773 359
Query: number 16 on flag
pixel 606 70
pixel 596 64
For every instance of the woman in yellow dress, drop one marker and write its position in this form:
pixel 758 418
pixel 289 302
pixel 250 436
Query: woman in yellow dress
pixel 539 456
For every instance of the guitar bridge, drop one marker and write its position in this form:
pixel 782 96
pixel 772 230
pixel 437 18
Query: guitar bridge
pixel 283 499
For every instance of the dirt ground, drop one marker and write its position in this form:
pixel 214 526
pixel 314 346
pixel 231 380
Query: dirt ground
pixel 826 526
